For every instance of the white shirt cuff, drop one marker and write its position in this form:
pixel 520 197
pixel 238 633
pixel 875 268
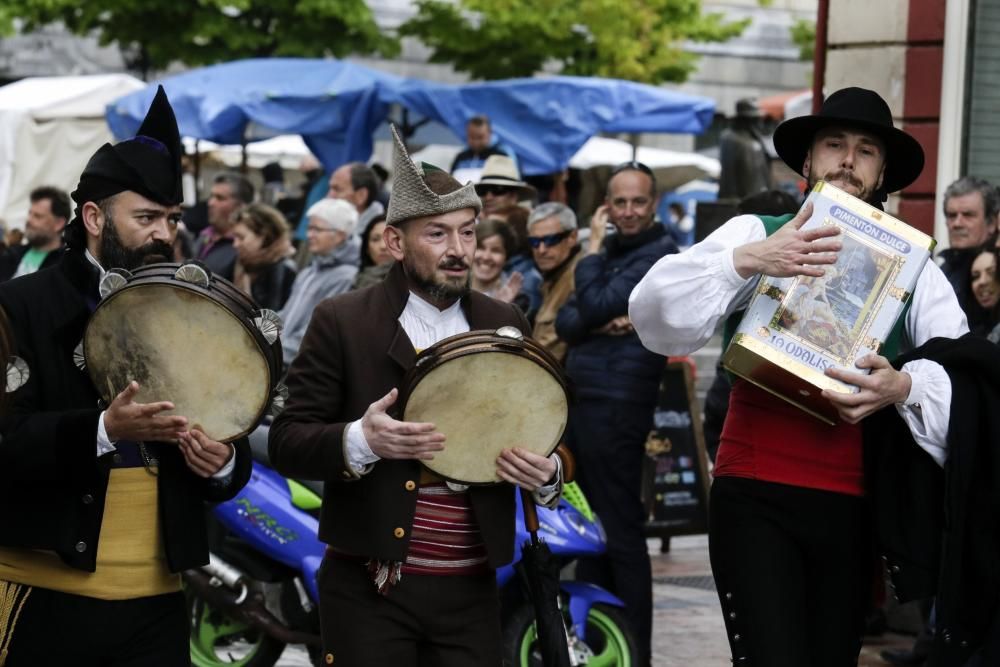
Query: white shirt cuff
pixel 927 409
pixel 359 455
pixel 104 444
pixel 727 263
pixel 548 496
pixel 226 470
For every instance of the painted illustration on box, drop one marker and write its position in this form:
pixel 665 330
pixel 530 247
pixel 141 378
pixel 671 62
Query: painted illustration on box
pixel 832 312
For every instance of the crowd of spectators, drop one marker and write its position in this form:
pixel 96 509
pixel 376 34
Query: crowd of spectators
pixel 574 295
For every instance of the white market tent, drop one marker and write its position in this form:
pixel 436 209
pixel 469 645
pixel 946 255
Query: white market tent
pixel 672 168
pixel 49 128
pixel 286 149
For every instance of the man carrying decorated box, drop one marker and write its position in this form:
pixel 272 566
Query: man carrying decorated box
pixel 791 504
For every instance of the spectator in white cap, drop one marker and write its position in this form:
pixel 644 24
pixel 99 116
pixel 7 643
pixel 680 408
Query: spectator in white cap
pixel 334 248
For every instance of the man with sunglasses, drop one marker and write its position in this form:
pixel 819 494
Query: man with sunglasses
pixel 616 381
pixel 500 185
pixel 552 237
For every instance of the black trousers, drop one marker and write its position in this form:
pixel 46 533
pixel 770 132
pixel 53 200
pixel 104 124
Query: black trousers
pixel 425 621
pixel 793 568
pixel 608 440
pixel 60 629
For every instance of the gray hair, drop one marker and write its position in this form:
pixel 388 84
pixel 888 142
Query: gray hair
pixel 238 184
pixel 339 214
pixel 969 184
pixel 552 209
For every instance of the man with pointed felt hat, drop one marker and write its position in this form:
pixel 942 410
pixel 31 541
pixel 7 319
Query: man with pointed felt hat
pixel 102 505
pixel 500 185
pixel 409 574
pixel 789 528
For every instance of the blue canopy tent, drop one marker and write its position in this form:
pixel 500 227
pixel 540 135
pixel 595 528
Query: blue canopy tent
pixel 336 106
pixel 546 120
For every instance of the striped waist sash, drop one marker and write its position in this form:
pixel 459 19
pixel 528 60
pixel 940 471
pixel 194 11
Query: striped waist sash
pixel 445 539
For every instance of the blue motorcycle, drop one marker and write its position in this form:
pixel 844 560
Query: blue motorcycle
pixel 259 593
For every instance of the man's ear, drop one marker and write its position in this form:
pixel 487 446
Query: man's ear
pixel 93 218
pixel 806 164
pixel 394 242
pixel 881 176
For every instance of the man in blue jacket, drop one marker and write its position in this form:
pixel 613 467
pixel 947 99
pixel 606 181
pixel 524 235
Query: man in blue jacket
pixel 616 380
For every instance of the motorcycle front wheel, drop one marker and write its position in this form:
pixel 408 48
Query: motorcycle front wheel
pixel 610 643
pixel 217 639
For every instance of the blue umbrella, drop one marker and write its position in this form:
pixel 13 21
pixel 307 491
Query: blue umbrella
pixel 546 120
pixel 336 106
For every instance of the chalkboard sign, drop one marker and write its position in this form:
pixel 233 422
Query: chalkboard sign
pixel 677 479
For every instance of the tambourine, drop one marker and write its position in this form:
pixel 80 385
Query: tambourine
pixel 486 391
pixel 189 337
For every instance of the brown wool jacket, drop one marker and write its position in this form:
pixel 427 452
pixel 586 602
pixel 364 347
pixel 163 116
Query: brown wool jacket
pixel 353 353
pixel 556 290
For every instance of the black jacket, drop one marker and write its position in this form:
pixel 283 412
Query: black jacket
pixel 939 530
pixel 11 258
pixel 603 366
pixel 273 285
pixel 52 484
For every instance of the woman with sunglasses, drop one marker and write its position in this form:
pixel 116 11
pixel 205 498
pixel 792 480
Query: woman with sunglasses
pixel 495 242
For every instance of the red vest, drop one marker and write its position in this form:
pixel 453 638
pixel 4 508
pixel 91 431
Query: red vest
pixel 769 439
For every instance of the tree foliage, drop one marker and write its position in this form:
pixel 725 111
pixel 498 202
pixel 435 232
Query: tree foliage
pixel 804 36
pixel 152 34
pixel 640 40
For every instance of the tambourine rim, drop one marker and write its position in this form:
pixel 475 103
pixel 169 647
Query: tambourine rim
pixel 161 281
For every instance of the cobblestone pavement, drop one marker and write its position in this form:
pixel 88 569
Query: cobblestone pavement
pixel 687 623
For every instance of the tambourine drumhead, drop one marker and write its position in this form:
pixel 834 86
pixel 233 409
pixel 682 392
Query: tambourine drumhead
pixel 184 347
pixel 486 401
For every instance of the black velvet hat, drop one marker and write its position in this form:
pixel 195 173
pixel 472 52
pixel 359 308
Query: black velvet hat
pixel 857 108
pixel 149 164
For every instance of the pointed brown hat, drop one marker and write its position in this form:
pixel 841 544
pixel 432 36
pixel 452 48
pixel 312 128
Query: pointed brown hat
pixel 412 197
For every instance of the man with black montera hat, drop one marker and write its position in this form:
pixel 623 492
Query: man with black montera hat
pixel 408 577
pixel 789 527
pixel 102 505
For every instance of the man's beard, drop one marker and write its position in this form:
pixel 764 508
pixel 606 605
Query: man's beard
pixel 439 291
pixel 114 254
pixel 37 239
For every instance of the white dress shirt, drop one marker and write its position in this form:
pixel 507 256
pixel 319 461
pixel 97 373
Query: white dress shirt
pixel 678 305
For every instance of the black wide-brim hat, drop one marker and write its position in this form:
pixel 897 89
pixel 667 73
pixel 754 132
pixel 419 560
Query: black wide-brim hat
pixel 860 109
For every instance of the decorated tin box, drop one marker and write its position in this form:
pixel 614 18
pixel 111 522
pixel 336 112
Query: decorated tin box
pixel 795 328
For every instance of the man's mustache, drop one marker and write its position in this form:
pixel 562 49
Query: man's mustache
pixel 453 264
pixel 844 175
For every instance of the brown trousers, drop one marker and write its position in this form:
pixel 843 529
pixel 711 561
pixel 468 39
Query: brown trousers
pixel 424 621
